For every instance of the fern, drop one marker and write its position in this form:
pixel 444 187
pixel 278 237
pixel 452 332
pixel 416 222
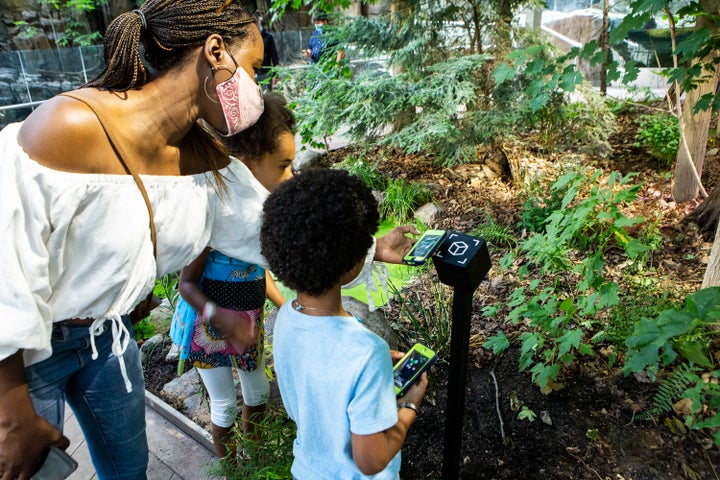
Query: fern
pixel 671 390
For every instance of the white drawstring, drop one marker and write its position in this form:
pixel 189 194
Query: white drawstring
pixel 120 342
pixel 381 272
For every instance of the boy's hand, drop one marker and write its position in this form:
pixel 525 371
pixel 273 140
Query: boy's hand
pixel 396 356
pixel 416 393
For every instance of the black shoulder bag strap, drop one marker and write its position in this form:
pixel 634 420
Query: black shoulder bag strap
pixel 123 159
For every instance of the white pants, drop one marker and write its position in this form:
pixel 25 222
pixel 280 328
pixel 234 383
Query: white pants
pixel 223 397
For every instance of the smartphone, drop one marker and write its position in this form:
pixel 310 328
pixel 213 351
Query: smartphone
pixel 408 369
pixel 57 465
pixel 423 249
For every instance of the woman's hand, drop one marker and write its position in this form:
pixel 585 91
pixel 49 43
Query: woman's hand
pixel 24 435
pixel 392 247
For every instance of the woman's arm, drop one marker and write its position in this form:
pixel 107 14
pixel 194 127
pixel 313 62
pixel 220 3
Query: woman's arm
pixel 273 292
pixel 24 435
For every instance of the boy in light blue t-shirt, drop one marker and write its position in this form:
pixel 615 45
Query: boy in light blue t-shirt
pixel 335 376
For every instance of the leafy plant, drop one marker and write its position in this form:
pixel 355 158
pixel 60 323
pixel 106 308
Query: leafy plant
pixel 401 199
pixel 26 30
pixel 428 321
pixel 74 36
pixel 494 233
pixel 702 389
pixel 687 331
pixel 144 329
pixel 167 287
pixel 567 294
pixel 660 134
pixel 526 414
pixel 270 457
pixel 366 171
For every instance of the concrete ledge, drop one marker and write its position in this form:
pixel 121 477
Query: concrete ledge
pixel 190 428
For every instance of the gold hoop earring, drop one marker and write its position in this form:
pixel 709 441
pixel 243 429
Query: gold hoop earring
pixel 206 93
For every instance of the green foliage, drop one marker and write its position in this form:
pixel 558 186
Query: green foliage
pixel 539 203
pixel 640 299
pixel 495 234
pixel 270 458
pixel 698 44
pixel 537 83
pixel 401 199
pixel 701 388
pixel 74 37
pixel 660 134
pixel 656 342
pixel 144 329
pixel 526 414
pixel 566 293
pixel 366 171
pixel 427 322
pixel 26 30
pixel 167 287
pixel 442 101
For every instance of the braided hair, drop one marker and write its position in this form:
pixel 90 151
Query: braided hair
pixel 163 32
pixel 167 29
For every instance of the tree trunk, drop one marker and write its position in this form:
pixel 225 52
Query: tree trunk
pixel 712 272
pixel 604 47
pixel 695 125
pixel 706 214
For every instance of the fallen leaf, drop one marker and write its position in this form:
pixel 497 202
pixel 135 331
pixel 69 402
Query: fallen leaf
pixel 683 407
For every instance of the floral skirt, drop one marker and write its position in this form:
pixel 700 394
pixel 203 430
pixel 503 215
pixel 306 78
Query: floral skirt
pixel 231 284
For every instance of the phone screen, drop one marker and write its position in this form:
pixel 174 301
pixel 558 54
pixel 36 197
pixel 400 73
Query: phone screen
pixel 404 373
pixel 424 245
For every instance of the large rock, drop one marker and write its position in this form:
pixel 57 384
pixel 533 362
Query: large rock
pixel 374 321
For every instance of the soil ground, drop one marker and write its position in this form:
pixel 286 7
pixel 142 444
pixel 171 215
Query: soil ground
pixel 588 429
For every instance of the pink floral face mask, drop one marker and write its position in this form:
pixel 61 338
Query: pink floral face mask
pixel 241 100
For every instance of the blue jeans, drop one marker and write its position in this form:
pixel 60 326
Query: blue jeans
pixel 112 420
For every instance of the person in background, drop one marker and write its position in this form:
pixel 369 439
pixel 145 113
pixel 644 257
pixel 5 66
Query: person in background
pixel 216 284
pixel 265 76
pixel 91 188
pixel 317 46
pixel 335 376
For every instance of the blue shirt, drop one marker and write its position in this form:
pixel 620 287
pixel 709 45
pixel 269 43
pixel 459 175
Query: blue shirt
pixel 335 377
pixel 315 45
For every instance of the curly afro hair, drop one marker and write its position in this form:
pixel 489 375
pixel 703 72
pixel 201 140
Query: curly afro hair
pixel 316 227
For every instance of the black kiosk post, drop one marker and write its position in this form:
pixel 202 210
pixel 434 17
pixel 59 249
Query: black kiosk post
pixel 462 262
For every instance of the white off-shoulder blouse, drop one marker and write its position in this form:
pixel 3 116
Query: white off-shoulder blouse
pixel 78 245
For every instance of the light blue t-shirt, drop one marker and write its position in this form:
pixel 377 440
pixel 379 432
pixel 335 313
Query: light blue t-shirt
pixel 335 377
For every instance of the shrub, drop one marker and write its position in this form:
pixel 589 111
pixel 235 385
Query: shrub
pixel 269 458
pixel 567 293
pixel 660 134
pixel 365 170
pixel 401 199
pixel 428 321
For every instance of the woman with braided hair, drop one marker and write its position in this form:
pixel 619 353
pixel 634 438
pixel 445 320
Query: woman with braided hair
pixel 80 181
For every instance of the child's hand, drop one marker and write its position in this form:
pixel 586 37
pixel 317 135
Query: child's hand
pixel 416 393
pixel 239 328
pixel 396 356
pixel 392 246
